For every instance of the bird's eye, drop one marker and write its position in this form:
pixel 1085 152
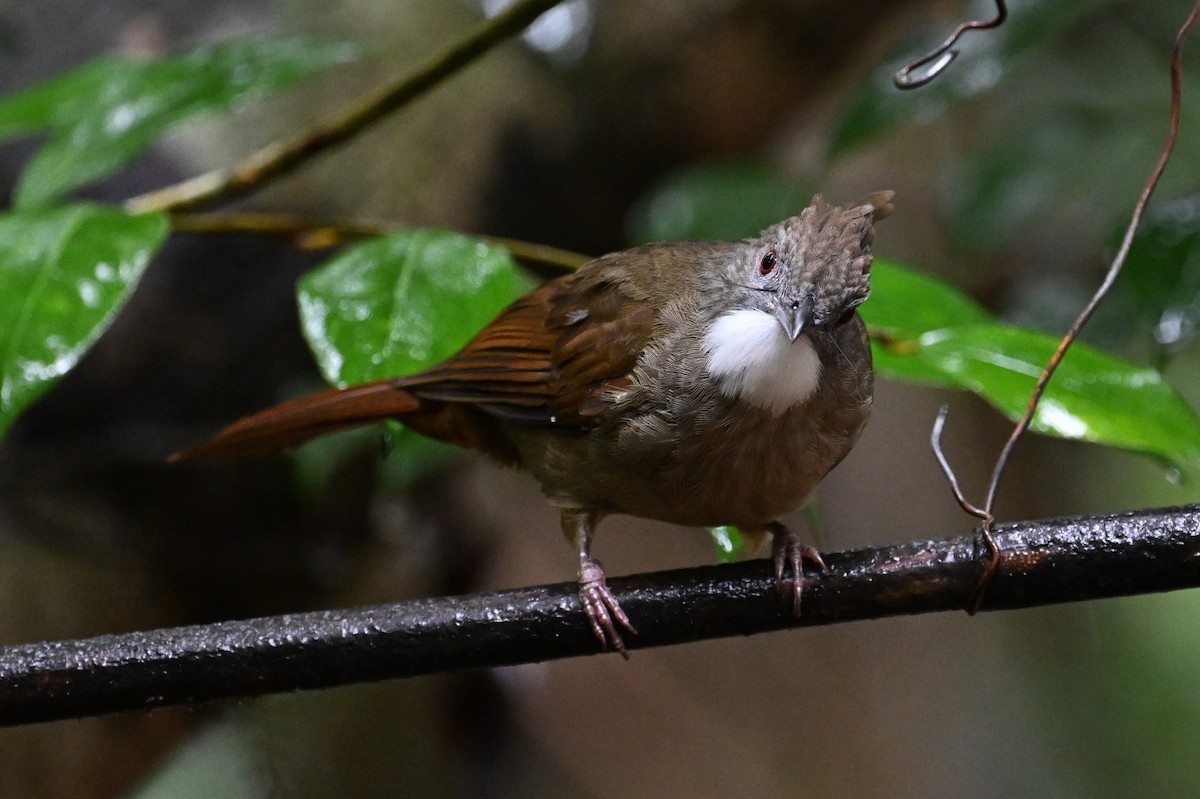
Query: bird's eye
pixel 767 265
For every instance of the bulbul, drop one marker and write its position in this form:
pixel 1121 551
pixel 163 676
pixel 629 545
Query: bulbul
pixel 699 383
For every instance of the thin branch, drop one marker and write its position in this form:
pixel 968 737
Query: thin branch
pixel 1047 562
pixel 283 156
pixel 322 234
pixel 308 231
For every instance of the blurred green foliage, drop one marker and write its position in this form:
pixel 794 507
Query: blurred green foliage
pixel 726 200
pixel 105 113
pixel 1161 279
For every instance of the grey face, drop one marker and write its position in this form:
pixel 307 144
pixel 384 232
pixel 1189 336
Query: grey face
pixel 811 270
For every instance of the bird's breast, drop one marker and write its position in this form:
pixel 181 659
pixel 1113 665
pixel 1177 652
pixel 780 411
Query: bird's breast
pixel 746 467
pixel 751 359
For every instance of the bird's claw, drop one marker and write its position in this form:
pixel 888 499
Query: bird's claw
pixel 603 611
pixel 787 550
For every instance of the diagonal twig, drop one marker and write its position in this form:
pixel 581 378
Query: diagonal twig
pixel 317 234
pixel 283 156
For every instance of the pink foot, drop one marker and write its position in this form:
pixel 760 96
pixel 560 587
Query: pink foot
pixel 787 550
pixel 603 612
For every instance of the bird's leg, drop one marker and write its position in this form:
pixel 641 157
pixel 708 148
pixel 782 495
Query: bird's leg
pixel 603 612
pixel 787 550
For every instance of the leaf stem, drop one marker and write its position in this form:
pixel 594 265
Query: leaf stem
pixel 318 234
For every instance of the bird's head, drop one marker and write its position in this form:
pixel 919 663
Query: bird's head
pixel 813 270
pixel 799 279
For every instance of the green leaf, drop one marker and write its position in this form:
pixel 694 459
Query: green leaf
pixel 904 305
pixel 926 331
pixel 66 273
pixel 396 304
pixel 717 201
pixel 729 542
pixel 103 114
pixel 1093 396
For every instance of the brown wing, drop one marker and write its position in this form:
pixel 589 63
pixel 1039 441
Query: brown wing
pixel 550 358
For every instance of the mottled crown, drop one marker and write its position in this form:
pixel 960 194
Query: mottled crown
pixel 833 245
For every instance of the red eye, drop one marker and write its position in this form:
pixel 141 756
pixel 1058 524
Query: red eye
pixel 767 265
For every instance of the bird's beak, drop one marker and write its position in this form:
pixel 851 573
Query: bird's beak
pixel 793 314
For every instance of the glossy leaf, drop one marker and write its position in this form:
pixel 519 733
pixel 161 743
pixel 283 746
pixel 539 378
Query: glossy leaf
pixel 905 303
pixel 393 305
pixel 925 331
pixel 717 201
pixel 1093 396
pixel 102 115
pixel 902 307
pixel 65 274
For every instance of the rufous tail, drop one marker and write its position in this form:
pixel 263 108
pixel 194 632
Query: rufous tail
pixel 298 420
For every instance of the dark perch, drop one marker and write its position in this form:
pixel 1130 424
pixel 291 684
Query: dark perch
pixel 1048 562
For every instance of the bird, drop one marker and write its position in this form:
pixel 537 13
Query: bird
pixel 699 383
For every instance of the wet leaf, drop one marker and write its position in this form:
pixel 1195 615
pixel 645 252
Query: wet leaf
pixel 1093 396
pixel 904 305
pixel 103 114
pixel 926 331
pixel 393 305
pixel 66 272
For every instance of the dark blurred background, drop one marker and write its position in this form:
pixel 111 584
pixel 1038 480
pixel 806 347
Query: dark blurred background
pixel 601 127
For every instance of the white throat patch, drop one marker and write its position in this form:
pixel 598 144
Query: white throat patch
pixel 751 359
